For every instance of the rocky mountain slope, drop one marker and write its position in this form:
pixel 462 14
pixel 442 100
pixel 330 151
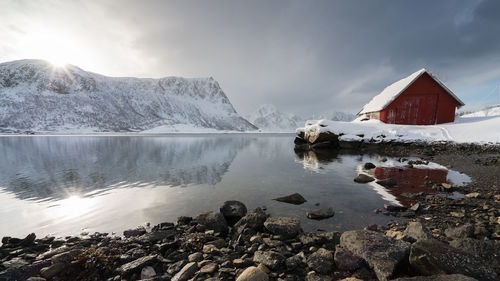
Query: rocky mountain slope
pixel 37 97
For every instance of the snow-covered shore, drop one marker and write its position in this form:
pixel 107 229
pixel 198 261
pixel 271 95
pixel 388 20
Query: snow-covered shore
pixel 463 130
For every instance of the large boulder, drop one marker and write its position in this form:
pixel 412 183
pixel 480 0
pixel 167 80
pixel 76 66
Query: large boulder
pixel 233 210
pixel 320 214
pixel 270 259
pixel 485 249
pixel 384 255
pixel 283 226
pixel 463 231
pixel 362 178
pixel 252 273
pixel 316 136
pixel 431 257
pixel 213 220
pixel 321 261
pixel 294 198
pixel 255 221
pixel 347 261
pixel 186 272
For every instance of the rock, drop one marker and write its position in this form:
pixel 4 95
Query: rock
pixel 270 259
pixel 446 185
pixel 134 232
pixel 321 261
pixel 485 249
pixel 283 226
pixel 384 255
pixel 294 198
pixel 28 240
pixel 183 220
pixel 196 257
pixel 252 273
pixel 14 263
pixel 66 257
pixel 393 208
pixel 314 137
pixel 472 195
pixel 347 261
pixel 450 277
pixel 136 265
pixel 36 279
pixel 213 220
pixel 295 261
pixel 320 214
pixel 463 231
pixel 52 271
pixel 209 268
pixel 431 257
pixel 148 272
pixel 389 182
pixel 382 159
pixel 233 210
pixel 362 178
pixel 369 165
pixel 416 231
pixel 186 272
pixel 255 221
pixel 415 207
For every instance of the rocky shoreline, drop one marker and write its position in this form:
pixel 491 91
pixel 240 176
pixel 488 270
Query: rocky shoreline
pixel 439 238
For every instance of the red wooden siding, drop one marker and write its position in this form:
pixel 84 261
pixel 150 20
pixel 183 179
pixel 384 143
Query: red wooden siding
pixel 424 102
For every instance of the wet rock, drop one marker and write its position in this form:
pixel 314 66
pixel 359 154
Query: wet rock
pixel 384 255
pixel 393 208
pixel 186 272
pixel 148 272
pixel 52 271
pixel 463 231
pixel 294 198
pixel 270 259
pixel 314 137
pixel 213 220
pixel 253 273
pixel 134 232
pixel 183 220
pixel 416 231
pixel 362 178
pixel 255 221
pixel 320 214
pixel 321 261
pixel 449 277
pixel 347 261
pixel 66 257
pixel 369 166
pixel 283 226
pixel 28 240
pixel 389 182
pixel 136 265
pixel 431 257
pixel 233 210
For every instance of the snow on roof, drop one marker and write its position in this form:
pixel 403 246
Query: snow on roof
pixel 391 92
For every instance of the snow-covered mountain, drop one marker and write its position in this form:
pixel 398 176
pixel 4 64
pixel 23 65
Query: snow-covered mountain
pixel 35 96
pixel 268 118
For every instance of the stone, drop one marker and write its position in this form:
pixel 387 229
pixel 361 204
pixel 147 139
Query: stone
pixel 283 226
pixel 295 261
pixel 444 277
pixel 252 273
pixel 394 208
pixel 134 232
pixel 270 259
pixel 362 178
pixel 148 272
pixel 320 214
pixel 321 261
pixel 136 265
pixel 213 220
pixel 472 195
pixel 294 198
pixel 314 137
pixel 369 166
pixel 255 221
pixel 66 257
pixel 209 268
pixel 347 261
pixel 36 279
pixel 28 240
pixel 486 249
pixel 383 254
pixel 233 210
pixel 52 271
pixel 431 257
pixel 463 231
pixel 415 207
pixel 186 272
pixel 196 257
pixel 389 182
pixel 416 231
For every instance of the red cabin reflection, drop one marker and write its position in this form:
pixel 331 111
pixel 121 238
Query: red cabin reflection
pixel 411 180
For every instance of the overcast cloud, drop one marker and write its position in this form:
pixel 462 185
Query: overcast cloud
pixel 302 56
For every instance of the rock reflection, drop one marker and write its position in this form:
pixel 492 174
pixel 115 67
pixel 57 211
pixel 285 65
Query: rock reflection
pixel 54 167
pixel 316 161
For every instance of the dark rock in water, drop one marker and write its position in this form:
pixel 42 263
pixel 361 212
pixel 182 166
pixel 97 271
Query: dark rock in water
pixel 299 141
pixel 485 249
pixel 283 226
pixel 387 182
pixel 321 261
pixel 393 208
pixel 416 231
pixel 270 259
pixel 347 261
pixel 213 220
pixel 450 277
pixel 431 257
pixel 369 166
pixel 294 198
pixel 362 178
pixel 463 231
pixel 183 220
pixel 233 211
pixel 313 138
pixel 320 214
pixel 186 272
pixel 255 221
pixel 384 255
pixel 134 232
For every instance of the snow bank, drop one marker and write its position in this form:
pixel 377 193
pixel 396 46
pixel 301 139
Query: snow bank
pixel 463 130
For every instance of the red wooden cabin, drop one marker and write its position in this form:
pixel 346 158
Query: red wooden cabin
pixel 419 99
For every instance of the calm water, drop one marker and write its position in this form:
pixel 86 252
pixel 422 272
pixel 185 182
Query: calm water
pixel 61 185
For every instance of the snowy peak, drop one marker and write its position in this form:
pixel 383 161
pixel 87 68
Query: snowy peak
pixel 267 117
pixel 69 99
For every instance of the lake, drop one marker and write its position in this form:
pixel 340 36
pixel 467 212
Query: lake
pixel 66 185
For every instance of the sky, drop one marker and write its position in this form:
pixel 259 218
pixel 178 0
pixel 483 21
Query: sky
pixel 304 57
